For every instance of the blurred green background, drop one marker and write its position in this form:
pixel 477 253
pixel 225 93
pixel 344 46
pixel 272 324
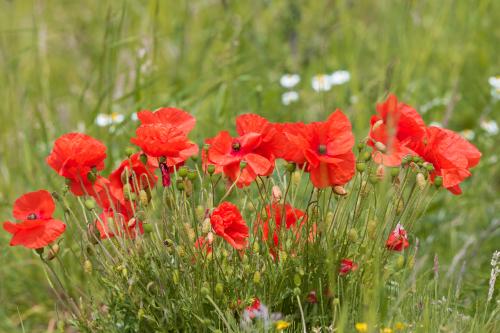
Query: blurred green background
pixel 62 63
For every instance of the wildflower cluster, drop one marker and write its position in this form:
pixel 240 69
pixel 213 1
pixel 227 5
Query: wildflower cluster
pixel 291 217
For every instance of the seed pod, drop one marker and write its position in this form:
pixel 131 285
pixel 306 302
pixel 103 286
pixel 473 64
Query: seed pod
pixel 192 174
pixel 297 280
pixel 361 166
pixel 366 156
pixel 395 172
pixel 183 171
pixel 400 262
pixel 290 167
pixel 438 181
pixel 180 186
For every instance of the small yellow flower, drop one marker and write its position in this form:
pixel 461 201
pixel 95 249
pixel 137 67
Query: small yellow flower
pixel 399 326
pixel 281 325
pixel 361 327
pixel 386 330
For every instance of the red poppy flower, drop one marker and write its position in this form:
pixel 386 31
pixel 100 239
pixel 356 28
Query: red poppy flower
pixel 312 298
pixel 228 152
pixel 112 223
pixel 37 228
pixel 289 220
pixel 131 171
pixel 227 222
pixel 163 133
pixel 451 155
pixel 346 266
pixel 397 241
pixel 76 157
pixel 393 130
pixel 204 243
pixel 327 149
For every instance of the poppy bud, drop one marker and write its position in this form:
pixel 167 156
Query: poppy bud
pixel 148 228
pixel 243 165
pixel 377 124
pixel 406 159
pixel 290 167
pixel 366 156
pixel 361 145
pixel 87 266
pixel 296 177
pixel 297 280
pixel 276 191
pixel 130 150
pixel 180 186
pixel 256 247
pixel 143 198
pixel 183 171
pixel 143 158
pixel 380 146
pixel 192 174
pixel 361 166
pixel 91 176
pixel 256 277
pixel 380 172
pixel 39 250
pixel 53 251
pixel 339 190
pixel 438 181
pixel 417 159
pixel 394 172
pixel 296 291
pixel 421 182
pixel 353 235
pixel 428 166
pixel 205 291
pixel 336 301
pixel 373 179
pixel 90 204
pixel 211 169
pixel 219 289
pixel 400 261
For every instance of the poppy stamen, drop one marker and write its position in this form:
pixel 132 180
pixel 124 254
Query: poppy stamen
pixel 236 146
pixel 32 216
pixel 322 149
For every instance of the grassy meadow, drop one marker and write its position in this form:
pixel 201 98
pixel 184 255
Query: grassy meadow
pixel 63 63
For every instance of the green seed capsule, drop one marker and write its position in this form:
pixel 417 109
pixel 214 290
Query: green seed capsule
pixel 148 228
pixel 394 172
pixel 183 171
pixel 361 166
pixel 192 174
pixel 211 169
pixel 90 204
pixel 219 289
pixel 366 156
pixel 438 181
pixel 353 235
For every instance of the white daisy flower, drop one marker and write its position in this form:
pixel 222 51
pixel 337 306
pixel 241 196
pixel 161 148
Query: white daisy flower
pixel 134 116
pixel 103 119
pixel 490 126
pixel 495 82
pixel 495 87
pixel 289 97
pixel 468 134
pixel 340 77
pixel 289 80
pixel 321 82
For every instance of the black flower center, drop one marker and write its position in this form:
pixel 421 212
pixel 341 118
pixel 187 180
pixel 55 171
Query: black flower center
pixel 236 146
pixel 32 216
pixel 322 149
